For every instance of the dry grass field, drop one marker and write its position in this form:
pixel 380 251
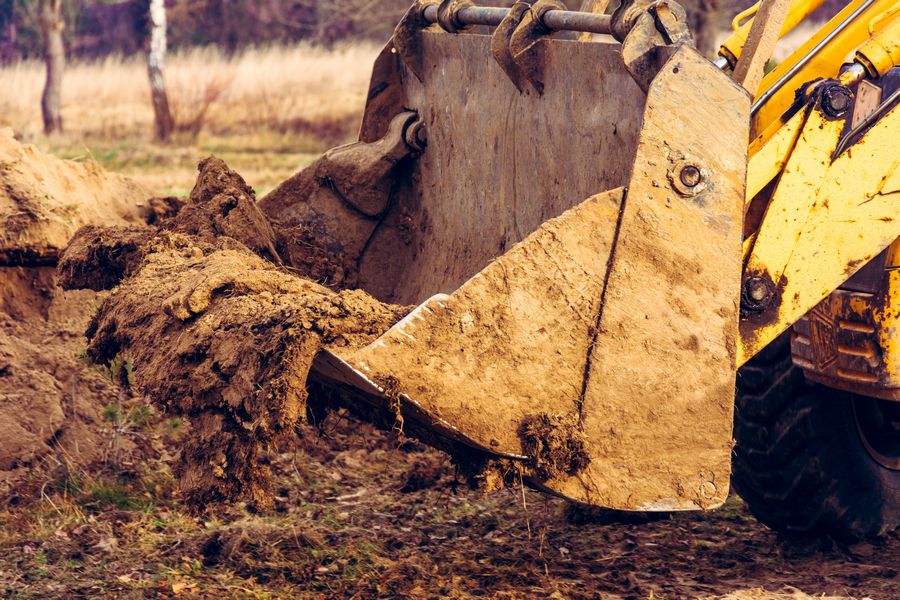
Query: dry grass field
pixel 266 111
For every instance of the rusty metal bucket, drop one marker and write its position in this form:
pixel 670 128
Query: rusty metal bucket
pixel 572 235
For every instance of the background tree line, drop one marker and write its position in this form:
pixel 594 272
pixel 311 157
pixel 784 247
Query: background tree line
pixel 58 30
pixel 95 28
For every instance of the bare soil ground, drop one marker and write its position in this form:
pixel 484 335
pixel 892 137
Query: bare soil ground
pixel 362 514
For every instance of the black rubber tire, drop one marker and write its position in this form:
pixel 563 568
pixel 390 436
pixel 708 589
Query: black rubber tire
pixel 800 463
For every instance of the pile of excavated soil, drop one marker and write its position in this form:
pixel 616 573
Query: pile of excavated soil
pixel 209 320
pixel 44 200
pixel 214 330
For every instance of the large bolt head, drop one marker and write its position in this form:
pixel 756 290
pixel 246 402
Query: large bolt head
pixel 757 294
pixel 757 290
pixel 416 136
pixel 687 177
pixel 690 176
pixel 836 101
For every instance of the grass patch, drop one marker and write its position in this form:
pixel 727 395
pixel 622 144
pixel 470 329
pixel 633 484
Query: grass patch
pixel 264 157
pixel 105 493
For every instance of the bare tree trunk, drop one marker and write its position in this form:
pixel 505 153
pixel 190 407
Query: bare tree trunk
pixel 52 25
pixel 156 58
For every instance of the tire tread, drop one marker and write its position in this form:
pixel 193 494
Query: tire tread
pixel 795 461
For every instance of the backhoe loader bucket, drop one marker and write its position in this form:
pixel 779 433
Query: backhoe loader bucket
pixel 573 243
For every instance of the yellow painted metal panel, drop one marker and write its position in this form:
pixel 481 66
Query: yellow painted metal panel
pixel 792 203
pixel 767 160
pixel 732 47
pixel 821 229
pixel 882 51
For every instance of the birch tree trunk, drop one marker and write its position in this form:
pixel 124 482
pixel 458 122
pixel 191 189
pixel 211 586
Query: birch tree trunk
pixel 156 58
pixel 52 25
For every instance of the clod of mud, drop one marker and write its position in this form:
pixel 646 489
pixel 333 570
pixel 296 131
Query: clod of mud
pixel 490 474
pixel 163 208
pixel 310 257
pixel 556 445
pixel 222 204
pixel 217 334
pixel 44 200
pixel 99 257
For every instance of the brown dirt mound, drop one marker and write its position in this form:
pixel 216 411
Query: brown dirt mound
pixel 217 334
pixel 310 257
pixel 99 257
pixel 213 330
pixel 50 400
pixel 44 200
pixel 223 205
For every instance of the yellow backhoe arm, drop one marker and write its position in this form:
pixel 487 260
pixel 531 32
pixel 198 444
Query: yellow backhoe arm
pixel 824 222
pixel 819 57
pixel 817 212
